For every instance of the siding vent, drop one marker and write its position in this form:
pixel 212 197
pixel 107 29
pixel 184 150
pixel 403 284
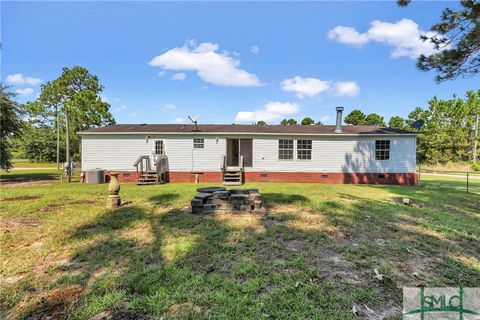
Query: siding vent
pixel 381 177
pixel 324 176
pixel 263 175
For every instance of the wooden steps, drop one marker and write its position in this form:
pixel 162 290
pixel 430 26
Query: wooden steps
pixel 232 177
pixel 147 178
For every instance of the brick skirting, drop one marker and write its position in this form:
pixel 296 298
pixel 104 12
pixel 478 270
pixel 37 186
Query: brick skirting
pixel 301 177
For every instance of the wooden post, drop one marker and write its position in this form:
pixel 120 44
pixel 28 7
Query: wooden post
pixel 467 183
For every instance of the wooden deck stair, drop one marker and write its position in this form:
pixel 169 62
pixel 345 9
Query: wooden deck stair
pixel 232 177
pixel 147 177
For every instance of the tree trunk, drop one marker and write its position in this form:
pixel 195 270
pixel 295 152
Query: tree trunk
pixel 67 147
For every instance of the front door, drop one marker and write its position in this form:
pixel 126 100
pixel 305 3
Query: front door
pixel 237 148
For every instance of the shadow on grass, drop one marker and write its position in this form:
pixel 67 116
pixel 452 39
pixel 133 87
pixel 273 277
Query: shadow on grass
pixel 282 198
pixel 30 176
pixel 178 265
pixel 164 198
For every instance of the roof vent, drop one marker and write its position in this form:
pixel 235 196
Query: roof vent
pixel 338 128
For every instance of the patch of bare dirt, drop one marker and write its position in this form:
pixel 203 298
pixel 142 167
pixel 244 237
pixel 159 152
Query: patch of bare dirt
pixel 294 246
pixel 13 279
pixel 375 313
pixel 85 201
pixel 24 183
pixel 17 223
pixel 19 198
pixel 336 268
pixel 51 207
pixel 57 303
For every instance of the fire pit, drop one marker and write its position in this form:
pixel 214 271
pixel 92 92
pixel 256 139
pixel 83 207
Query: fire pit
pixel 218 199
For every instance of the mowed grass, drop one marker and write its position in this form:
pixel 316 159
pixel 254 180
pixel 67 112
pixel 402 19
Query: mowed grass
pixel 20 163
pixel 312 256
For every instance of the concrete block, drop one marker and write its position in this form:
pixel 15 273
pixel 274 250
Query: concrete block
pixel 210 189
pixel 209 208
pixel 203 196
pixel 196 202
pixel 239 191
pixel 241 197
pixel 221 194
pixel 197 209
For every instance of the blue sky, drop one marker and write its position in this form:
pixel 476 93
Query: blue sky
pixel 229 62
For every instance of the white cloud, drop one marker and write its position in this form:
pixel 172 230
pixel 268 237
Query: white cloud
pixel 178 120
pixel 347 88
pixel 215 67
pixel 24 92
pixel 169 106
pixel 272 111
pixel 311 87
pixel 179 76
pixel 348 35
pixel 133 114
pixel 305 87
pixel 403 36
pixel 120 108
pixel 104 99
pixel 18 78
pixel 255 49
pixel 162 73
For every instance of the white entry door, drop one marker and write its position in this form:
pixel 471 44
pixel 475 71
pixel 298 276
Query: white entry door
pixel 158 148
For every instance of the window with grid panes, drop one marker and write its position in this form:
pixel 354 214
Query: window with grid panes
pixel 382 149
pixel 285 149
pixel 198 143
pixel 158 146
pixel 304 149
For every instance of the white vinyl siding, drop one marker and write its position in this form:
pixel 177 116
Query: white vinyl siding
pixel 119 152
pixel 337 154
pixel 328 154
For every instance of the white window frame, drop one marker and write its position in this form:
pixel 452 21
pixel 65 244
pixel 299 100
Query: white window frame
pixel 155 146
pixel 197 144
pixel 303 149
pixel 386 152
pixel 293 149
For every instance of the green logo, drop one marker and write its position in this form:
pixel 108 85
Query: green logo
pixel 441 303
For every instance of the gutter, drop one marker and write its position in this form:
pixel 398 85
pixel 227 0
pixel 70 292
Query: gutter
pixel 86 133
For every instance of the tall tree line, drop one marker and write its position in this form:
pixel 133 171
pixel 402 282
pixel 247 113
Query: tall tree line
pixel 448 132
pixel 65 105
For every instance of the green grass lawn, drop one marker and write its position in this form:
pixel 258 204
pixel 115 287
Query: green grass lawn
pixel 18 163
pixel 460 183
pixel 312 256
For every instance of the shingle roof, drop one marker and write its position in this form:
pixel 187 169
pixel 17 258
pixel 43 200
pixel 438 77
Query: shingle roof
pixel 238 128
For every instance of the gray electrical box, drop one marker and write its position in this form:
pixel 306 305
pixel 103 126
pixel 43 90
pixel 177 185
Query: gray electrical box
pixel 95 176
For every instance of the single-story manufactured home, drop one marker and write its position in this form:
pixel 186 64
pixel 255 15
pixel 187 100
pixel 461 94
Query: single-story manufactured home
pixel 233 154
